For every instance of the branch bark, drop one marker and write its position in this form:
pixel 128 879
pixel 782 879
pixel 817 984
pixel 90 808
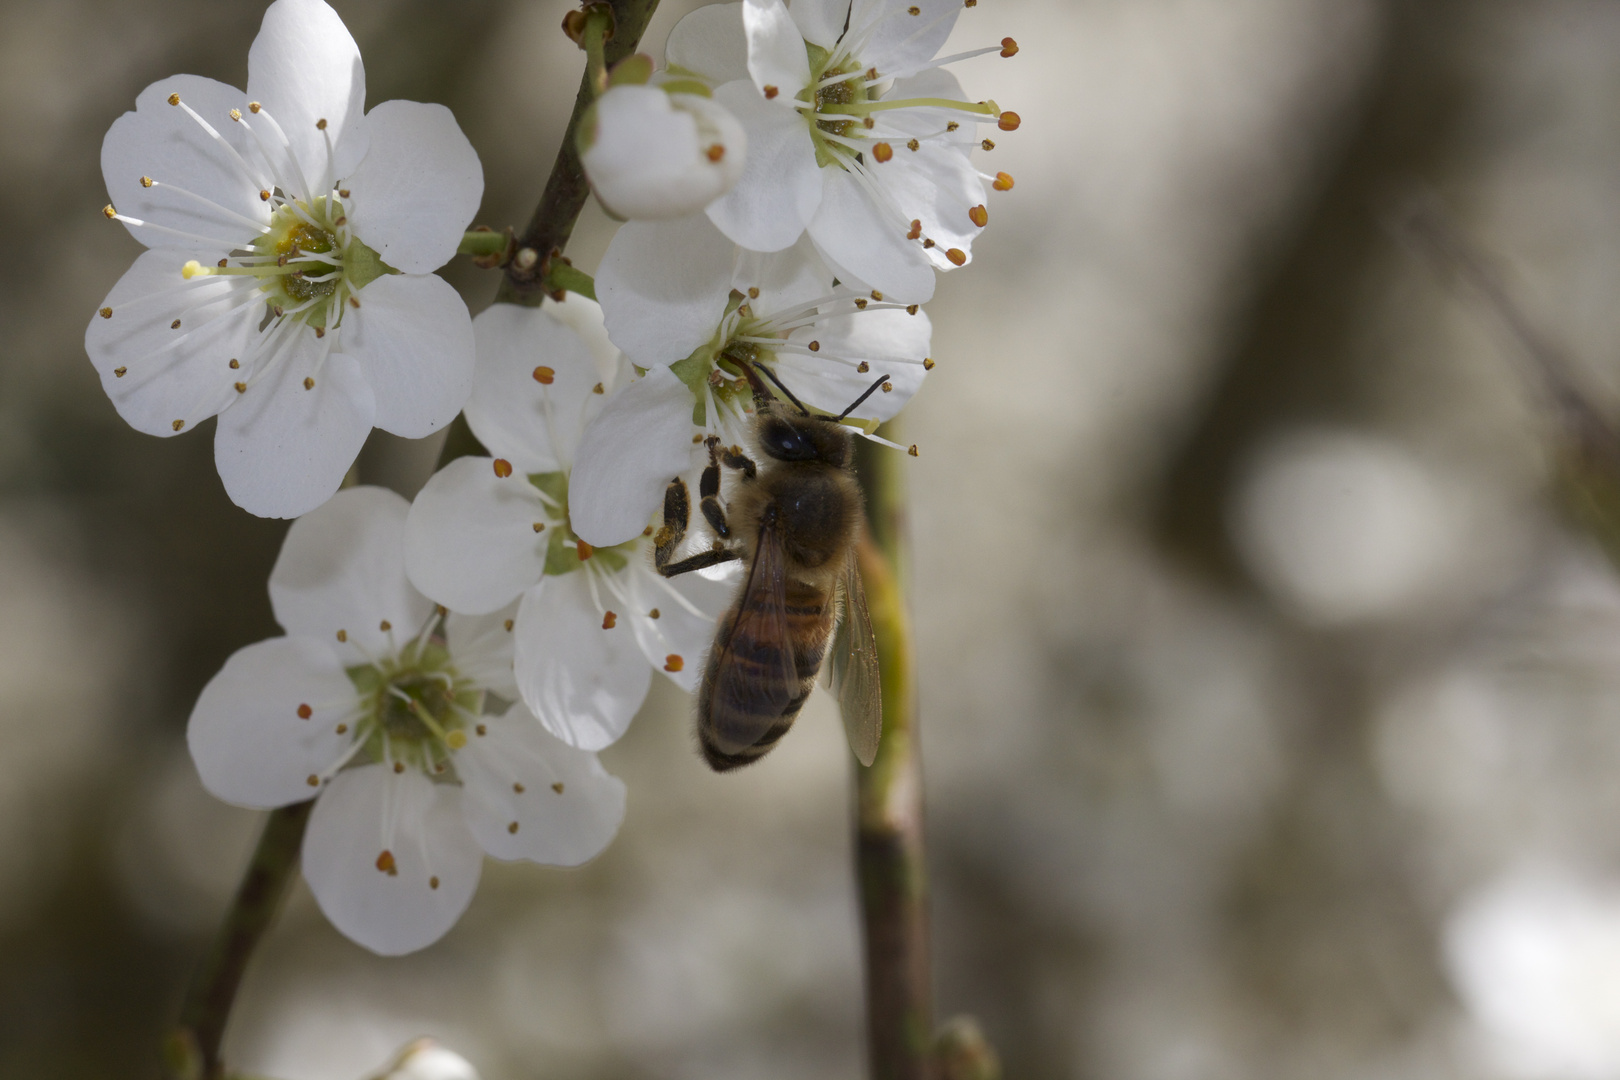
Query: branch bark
pixel 566 189
pixel 193 1051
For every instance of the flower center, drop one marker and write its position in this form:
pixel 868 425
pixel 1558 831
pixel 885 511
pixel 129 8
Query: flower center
pixel 415 707
pixel 307 263
pixel 565 551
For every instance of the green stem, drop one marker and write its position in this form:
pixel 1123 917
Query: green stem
pixel 888 796
pixel 561 275
pixel 483 244
pixel 192 1052
pixel 565 192
pixel 597 24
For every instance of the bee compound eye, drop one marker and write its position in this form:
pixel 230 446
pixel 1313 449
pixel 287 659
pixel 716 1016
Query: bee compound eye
pixel 784 442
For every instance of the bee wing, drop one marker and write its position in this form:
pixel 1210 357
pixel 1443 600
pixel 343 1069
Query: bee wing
pixel 853 670
pixel 755 675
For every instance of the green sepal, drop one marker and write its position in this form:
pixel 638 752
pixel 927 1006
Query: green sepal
pixel 362 266
pixel 633 70
pixel 585 134
pixel 818 58
pixel 695 87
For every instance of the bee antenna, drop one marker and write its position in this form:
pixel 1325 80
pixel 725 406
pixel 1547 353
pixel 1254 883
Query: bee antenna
pixel 759 389
pixel 870 390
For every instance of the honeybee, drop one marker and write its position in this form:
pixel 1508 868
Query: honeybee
pixel 795 519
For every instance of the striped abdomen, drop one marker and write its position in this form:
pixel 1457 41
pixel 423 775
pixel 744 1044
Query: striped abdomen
pixel 747 703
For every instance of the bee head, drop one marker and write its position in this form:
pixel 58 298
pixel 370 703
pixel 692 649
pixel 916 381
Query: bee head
pixel 786 436
pixel 804 436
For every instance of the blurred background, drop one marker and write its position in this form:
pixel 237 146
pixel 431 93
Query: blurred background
pixel 1271 707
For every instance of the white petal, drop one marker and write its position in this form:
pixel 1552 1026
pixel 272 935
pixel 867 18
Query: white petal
pixel 470 541
pixel 901 42
pixel 785 279
pixel 481 646
pixel 413 339
pixel 820 21
pixel 709 41
pixel 418 187
pixel 935 185
pixel 436 862
pixel 891 341
pixel 677 642
pixel 568 810
pixel 157 373
pixel 664 286
pixel 305 67
pixel 650 152
pixel 780 186
pixel 250 744
pixel 162 142
pixel 533 425
pixel 584 682
pixel 851 232
pixel 584 317
pixel 342 567
pixel 928 122
pixel 776 57
pixel 282 449
pixel 423 1059
pixel 627 457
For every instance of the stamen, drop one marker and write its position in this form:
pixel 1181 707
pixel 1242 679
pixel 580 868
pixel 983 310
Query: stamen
pixel 147 181
pixel 236 158
pixel 228 245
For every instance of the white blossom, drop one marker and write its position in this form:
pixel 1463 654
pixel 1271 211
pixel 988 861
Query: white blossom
pixel 592 622
pixel 288 285
pixel 391 714
pixel 652 152
pixel 424 1059
pixel 856 133
pixel 691 307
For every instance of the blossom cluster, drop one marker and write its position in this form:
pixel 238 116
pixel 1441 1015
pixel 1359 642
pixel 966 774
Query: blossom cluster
pixel 791 181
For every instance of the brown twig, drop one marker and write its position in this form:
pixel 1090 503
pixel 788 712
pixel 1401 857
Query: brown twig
pixel 889 862
pixel 193 1049
pixel 566 189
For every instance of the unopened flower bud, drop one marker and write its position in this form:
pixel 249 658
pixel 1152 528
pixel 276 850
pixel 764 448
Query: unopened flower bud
pixel 651 154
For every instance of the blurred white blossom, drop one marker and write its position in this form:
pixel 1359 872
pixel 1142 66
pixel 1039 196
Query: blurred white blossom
pixel 424 1059
pixel 1535 958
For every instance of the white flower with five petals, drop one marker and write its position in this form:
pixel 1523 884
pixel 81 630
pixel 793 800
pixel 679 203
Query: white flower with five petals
pixel 691 307
pixel 374 703
pixel 288 285
pixel 856 133
pixel 592 622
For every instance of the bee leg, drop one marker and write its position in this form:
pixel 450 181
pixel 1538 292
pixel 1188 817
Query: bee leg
pixel 734 458
pixel 731 457
pixel 698 562
pixel 677 511
pixel 709 483
pixel 716 516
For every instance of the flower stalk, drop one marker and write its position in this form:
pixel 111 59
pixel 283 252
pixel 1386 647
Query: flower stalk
pixel 566 189
pixel 192 1051
pixel 890 869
